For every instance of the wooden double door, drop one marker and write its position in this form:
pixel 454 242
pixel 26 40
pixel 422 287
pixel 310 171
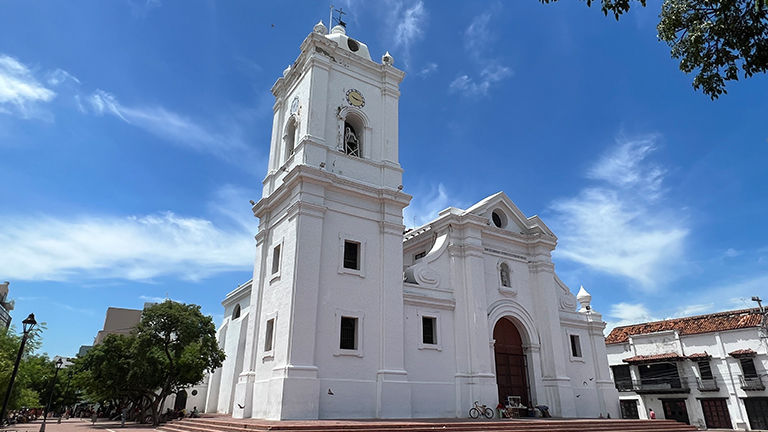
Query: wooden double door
pixel 511 367
pixel 757 412
pixel 675 409
pixel 716 413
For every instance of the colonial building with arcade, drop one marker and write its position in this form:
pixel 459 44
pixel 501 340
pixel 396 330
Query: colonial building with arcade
pixel 349 315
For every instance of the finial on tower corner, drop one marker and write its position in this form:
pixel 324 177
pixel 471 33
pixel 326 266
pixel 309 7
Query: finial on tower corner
pixel 585 299
pixel 320 28
pixel 387 59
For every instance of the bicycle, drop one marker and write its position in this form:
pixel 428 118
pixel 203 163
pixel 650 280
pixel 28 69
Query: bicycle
pixel 478 409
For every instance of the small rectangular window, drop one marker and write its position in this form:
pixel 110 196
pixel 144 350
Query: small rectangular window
pixel 748 367
pixel 348 336
pixel 268 335
pixel 276 259
pixel 575 346
pixel 705 370
pixel 419 255
pixel 428 330
pixel 351 255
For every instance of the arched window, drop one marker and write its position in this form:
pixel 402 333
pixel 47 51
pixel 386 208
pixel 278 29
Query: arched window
pixel 236 312
pixel 504 274
pixel 289 138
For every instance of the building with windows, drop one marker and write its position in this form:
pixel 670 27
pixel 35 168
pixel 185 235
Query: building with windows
pixel 706 370
pixel 349 315
pixel 6 306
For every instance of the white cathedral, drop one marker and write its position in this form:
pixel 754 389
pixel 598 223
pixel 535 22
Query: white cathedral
pixel 349 315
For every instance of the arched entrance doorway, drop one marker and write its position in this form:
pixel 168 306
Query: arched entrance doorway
pixel 511 367
pixel 181 400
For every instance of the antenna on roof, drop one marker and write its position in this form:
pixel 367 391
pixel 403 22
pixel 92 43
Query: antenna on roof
pixel 338 20
pixel 764 320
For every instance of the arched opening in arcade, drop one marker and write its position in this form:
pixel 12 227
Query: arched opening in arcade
pixel 511 362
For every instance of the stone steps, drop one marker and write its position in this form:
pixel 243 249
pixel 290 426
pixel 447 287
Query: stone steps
pixel 226 424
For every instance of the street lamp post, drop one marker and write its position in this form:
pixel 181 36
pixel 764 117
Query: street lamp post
pixel 59 363
pixel 27 326
pixel 66 390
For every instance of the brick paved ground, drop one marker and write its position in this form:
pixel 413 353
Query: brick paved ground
pixel 103 425
pixel 78 425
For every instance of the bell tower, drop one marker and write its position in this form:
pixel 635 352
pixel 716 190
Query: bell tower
pixel 336 109
pixel 325 333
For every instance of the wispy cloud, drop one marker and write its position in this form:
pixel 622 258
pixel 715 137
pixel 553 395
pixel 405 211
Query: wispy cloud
pixel 622 314
pixel 24 94
pixel 138 247
pixel 475 87
pixel 620 226
pixel 427 70
pixel 409 21
pixel 427 203
pixel 174 127
pixel 20 90
pixel 477 38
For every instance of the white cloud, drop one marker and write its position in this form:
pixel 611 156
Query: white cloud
pixel 477 38
pixel 477 35
pixel 622 314
pixel 427 70
pixel 60 76
pixel 619 227
pixel 173 127
pixel 20 91
pixel 476 87
pixel 426 205
pixel 131 247
pixel 409 22
pixel 627 166
pixel 694 309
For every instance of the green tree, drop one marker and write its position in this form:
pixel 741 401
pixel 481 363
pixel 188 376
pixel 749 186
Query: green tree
pixel 172 348
pixel 715 39
pixel 32 368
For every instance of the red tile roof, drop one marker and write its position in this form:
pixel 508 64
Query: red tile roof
pixel 742 353
pixel 729 320
pixel 699 356
pixel 654 357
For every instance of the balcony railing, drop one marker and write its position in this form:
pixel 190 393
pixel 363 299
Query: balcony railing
pixel 752 382
pixel 707 384
pixel 654 385
pixel 625 385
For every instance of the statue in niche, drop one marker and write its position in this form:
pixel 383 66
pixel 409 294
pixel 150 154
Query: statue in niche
pixel 504 275
pixel 351 142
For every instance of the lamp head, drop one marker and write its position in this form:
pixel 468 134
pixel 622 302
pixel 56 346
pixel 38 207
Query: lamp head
pixel 28 324
pixel 59 363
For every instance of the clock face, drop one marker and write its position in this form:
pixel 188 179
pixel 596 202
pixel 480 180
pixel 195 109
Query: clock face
pixel 355 98
pixel 295 105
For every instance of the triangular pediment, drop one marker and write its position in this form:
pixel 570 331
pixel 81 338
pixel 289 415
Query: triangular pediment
pixel 512 218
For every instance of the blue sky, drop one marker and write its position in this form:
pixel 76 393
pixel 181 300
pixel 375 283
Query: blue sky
pixel 133 134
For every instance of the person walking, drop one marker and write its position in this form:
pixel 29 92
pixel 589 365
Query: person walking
pixel 94 416
pixel 651 414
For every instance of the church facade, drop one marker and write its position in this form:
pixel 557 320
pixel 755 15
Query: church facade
pixel 348 315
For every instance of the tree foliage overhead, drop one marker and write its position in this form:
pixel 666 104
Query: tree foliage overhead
pixel 715 39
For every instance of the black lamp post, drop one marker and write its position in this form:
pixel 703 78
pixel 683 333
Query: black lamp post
pixel 59 363
pixel 64 401
pixel 27 326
